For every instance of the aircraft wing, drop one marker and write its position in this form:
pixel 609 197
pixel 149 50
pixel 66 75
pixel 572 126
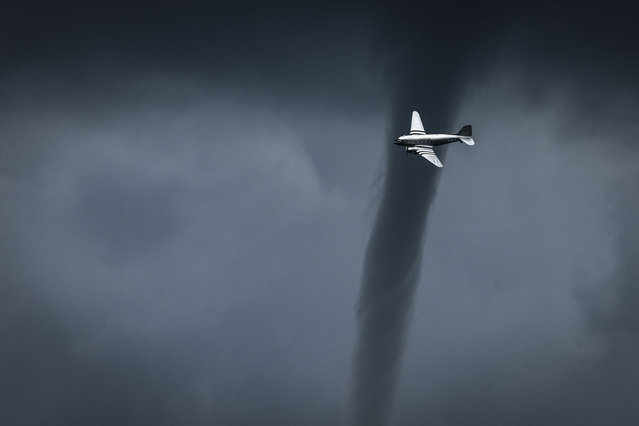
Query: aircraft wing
pixel 428 153
pixel 416 126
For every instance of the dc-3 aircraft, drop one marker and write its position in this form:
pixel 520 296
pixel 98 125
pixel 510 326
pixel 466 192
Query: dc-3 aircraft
pixel 418 142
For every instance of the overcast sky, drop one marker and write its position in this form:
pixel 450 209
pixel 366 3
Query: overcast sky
pixel 187 195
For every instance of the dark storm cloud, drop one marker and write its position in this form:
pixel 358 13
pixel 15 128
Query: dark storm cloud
pixel 280 51
pixel 568 51
pixel 593 73
pixel 126 214
pixel 145 237
pixel 180 244
pixel 501 317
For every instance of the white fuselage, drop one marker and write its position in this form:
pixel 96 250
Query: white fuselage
pixel 426 139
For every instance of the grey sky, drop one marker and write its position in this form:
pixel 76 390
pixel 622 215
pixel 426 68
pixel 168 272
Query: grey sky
pixel 185 208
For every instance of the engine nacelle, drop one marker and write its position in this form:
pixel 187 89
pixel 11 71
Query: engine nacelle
pixel 411 150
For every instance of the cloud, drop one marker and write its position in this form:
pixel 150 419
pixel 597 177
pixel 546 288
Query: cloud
pixel 184 197
pixel 144 266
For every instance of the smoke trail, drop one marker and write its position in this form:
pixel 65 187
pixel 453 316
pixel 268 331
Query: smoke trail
pixel 393 255
pixel 391 270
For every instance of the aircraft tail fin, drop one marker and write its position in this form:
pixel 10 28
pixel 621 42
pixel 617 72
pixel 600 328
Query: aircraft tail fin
pixel 467 130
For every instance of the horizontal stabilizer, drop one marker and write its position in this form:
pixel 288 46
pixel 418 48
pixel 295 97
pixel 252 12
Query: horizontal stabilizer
pixel 467 130
pixel 467 140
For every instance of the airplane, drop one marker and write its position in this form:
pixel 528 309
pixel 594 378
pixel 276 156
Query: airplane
pixel 419 142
